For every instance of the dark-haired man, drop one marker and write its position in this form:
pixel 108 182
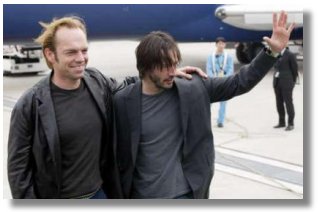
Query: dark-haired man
pixel 165 142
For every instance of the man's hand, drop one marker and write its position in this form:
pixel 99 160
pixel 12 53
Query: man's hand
pixel 280 35
pixel 186 71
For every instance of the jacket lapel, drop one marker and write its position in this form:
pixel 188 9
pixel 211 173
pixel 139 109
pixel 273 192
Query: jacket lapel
pixel 96 92
pixel 184 95
pixel 133 105
pixel 48 120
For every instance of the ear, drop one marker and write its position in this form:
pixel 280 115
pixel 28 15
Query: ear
pixel 50 56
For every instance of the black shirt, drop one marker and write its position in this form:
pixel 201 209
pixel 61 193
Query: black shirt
pixel 80 132
pixel 158 172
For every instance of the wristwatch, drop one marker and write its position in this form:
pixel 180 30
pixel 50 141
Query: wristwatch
pixel 269 52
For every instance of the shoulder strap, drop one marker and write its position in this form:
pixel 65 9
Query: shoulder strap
pixel 213 63
pixel 224 61
pixel 225 55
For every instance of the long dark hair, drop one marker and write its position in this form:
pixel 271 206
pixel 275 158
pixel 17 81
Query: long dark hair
pixel 155 51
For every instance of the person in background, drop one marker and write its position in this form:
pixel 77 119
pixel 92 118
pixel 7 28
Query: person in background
pixel 220 64
pixel 285 76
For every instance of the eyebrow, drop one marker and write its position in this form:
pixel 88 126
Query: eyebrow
pixel 74 50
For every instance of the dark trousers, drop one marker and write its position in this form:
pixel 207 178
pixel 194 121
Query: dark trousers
pixel 188 195
pixel 284 95
pixel 100 194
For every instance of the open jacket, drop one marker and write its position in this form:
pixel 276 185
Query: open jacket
pixel 287 67
pixel 195 97
pixel 34 155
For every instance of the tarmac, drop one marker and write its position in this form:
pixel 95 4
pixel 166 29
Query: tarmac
pixel 253 160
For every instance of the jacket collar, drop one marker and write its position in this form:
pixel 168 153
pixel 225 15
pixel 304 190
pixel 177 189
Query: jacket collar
pixel 97 93
pixel 48 120
pixel 133 105
pixel 184 94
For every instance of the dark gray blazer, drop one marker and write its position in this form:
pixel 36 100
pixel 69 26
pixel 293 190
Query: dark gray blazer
pixel 195 97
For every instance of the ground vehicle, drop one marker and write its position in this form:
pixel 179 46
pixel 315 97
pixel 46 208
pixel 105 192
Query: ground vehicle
pixel 23 59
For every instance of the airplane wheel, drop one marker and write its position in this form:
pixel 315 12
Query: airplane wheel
pixel 241 53
pixel 253 50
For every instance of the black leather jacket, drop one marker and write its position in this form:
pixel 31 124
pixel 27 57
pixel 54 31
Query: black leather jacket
pixel 34 156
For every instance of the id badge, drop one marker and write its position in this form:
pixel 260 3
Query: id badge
pixel 221 73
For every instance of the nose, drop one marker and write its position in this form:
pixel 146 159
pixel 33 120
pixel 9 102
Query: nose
pixel 81 57
pixel 172 71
